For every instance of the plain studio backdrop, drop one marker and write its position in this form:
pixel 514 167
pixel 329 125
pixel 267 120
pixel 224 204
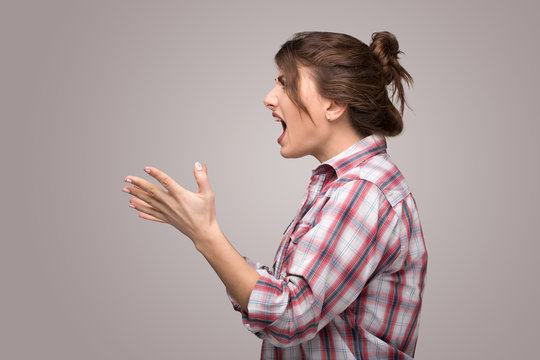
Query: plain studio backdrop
pixel 93 91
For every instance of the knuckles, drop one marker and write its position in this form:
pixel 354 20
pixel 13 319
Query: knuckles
pixel 166 182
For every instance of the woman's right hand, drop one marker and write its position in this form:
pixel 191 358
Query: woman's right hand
pixel 191 213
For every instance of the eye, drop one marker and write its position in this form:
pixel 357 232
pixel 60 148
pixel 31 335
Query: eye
pixel 281 80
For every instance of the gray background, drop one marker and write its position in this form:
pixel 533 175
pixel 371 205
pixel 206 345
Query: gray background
pixel 93 91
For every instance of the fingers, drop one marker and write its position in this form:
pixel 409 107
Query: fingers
pixel 150 217
pixel 164 179
pixel 145 190
pixel 147 212
pixel 201 176
pixel 160 205
pixel 150 199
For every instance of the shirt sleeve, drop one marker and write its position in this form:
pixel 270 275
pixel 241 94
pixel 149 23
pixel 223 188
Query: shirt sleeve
pixel 354 237
pixel 260 268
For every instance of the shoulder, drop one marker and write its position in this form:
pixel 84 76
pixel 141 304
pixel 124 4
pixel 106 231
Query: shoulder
pixel 378 175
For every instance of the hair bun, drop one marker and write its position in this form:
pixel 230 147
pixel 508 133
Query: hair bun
pixel 385 47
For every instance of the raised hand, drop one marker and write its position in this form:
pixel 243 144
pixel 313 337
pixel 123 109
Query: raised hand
pixel 192 213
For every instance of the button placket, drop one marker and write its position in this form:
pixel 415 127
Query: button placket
pixel 314 188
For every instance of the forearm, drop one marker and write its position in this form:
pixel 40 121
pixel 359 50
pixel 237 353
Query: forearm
pixel 236 274
pixel 194 215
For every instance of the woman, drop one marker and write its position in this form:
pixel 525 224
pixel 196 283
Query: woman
pixel 348 276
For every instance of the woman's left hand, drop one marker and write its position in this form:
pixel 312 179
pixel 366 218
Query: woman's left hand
pixel 192 213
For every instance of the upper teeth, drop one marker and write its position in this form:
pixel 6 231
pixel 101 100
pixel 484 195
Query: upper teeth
pixel 277 119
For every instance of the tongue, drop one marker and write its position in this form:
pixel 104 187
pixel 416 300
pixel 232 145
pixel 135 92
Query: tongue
pixel 281 137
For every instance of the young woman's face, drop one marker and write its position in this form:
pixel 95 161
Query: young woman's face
pixel 301 135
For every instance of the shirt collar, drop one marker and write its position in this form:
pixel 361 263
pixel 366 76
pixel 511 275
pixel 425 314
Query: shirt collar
pixel 354 155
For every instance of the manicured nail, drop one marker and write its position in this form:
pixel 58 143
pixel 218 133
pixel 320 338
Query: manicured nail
pixel 198 166
pixel 128 180
pixel 147 169
pixel 126 190
pixel 132 206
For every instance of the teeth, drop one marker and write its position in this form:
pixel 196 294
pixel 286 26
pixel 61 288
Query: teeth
pixel 277 119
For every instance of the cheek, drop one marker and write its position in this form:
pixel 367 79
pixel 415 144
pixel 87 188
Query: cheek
pixel 303 132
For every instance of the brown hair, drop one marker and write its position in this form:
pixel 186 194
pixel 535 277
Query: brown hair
pixel 348 71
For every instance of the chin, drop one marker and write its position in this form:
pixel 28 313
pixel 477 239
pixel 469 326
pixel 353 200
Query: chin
pixel 290 154
pixel 284 153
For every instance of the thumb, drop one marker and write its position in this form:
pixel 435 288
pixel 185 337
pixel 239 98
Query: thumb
pixel 201 176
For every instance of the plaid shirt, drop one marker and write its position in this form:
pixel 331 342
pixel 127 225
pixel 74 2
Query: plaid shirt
pixel 348 276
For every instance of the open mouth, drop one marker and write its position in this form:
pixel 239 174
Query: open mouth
pixel 283 125
pixel 278 118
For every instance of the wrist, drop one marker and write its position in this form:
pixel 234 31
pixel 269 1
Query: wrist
pixel 208 238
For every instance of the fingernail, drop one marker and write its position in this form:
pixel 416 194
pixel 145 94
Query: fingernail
pixel 198 166
pixel 132 206
pixel 126 190
pixel 147 169
pixel 128 180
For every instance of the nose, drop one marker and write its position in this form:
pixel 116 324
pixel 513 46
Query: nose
pixel 270 100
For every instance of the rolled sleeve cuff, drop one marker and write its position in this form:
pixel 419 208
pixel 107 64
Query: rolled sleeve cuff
pixel 261 269
pixel 268 314
pixel 267 302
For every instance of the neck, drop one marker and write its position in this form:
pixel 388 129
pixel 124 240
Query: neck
pixel 339 140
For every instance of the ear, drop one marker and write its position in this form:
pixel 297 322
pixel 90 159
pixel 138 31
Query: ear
pixel 335 110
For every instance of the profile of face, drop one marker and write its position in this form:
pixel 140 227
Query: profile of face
pixel 301 135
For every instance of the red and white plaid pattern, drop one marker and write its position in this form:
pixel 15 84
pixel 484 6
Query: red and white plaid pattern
pixel 348 277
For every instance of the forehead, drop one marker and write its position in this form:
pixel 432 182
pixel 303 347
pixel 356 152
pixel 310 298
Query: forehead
pixel 306 86
pixel 304 75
